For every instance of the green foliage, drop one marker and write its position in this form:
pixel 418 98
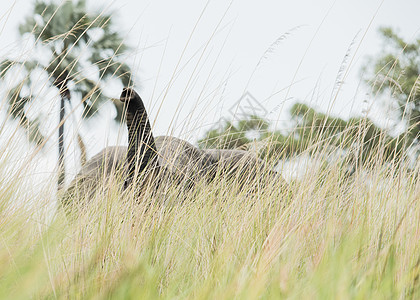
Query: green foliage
pixel 397 70
pixel 72 41
pixel 362 139
pixel 313 131
pixel 231 135
pixel 64 32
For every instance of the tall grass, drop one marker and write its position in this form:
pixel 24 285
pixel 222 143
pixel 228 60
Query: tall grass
pixel 326 234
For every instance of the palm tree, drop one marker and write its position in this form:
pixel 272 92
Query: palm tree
pixel 74 41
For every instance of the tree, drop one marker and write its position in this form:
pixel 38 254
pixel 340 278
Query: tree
pixel 231 135
pixel 73 40
pixel 397 70
pixel 358 139
pixel 251 132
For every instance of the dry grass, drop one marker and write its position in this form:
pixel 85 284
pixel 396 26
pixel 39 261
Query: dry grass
pixel 324 236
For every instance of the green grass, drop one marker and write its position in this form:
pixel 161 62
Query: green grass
pixel 326 236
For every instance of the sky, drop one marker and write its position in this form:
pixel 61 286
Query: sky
pixel 193 60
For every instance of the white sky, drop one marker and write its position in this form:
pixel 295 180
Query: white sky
pixel 220 59
pixel 313 53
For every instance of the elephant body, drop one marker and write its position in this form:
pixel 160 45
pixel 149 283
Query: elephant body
pixel 167 156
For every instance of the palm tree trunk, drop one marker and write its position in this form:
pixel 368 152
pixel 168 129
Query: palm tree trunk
pixel 61 168
pixel 61 83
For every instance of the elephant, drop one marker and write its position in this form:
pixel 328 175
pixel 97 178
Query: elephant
pixel 162 157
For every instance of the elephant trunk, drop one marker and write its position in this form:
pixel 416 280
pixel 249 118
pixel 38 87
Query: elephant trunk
pixel 142 152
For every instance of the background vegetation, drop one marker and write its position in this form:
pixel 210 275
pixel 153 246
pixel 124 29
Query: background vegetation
pixel 83 51
pixel 395 73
